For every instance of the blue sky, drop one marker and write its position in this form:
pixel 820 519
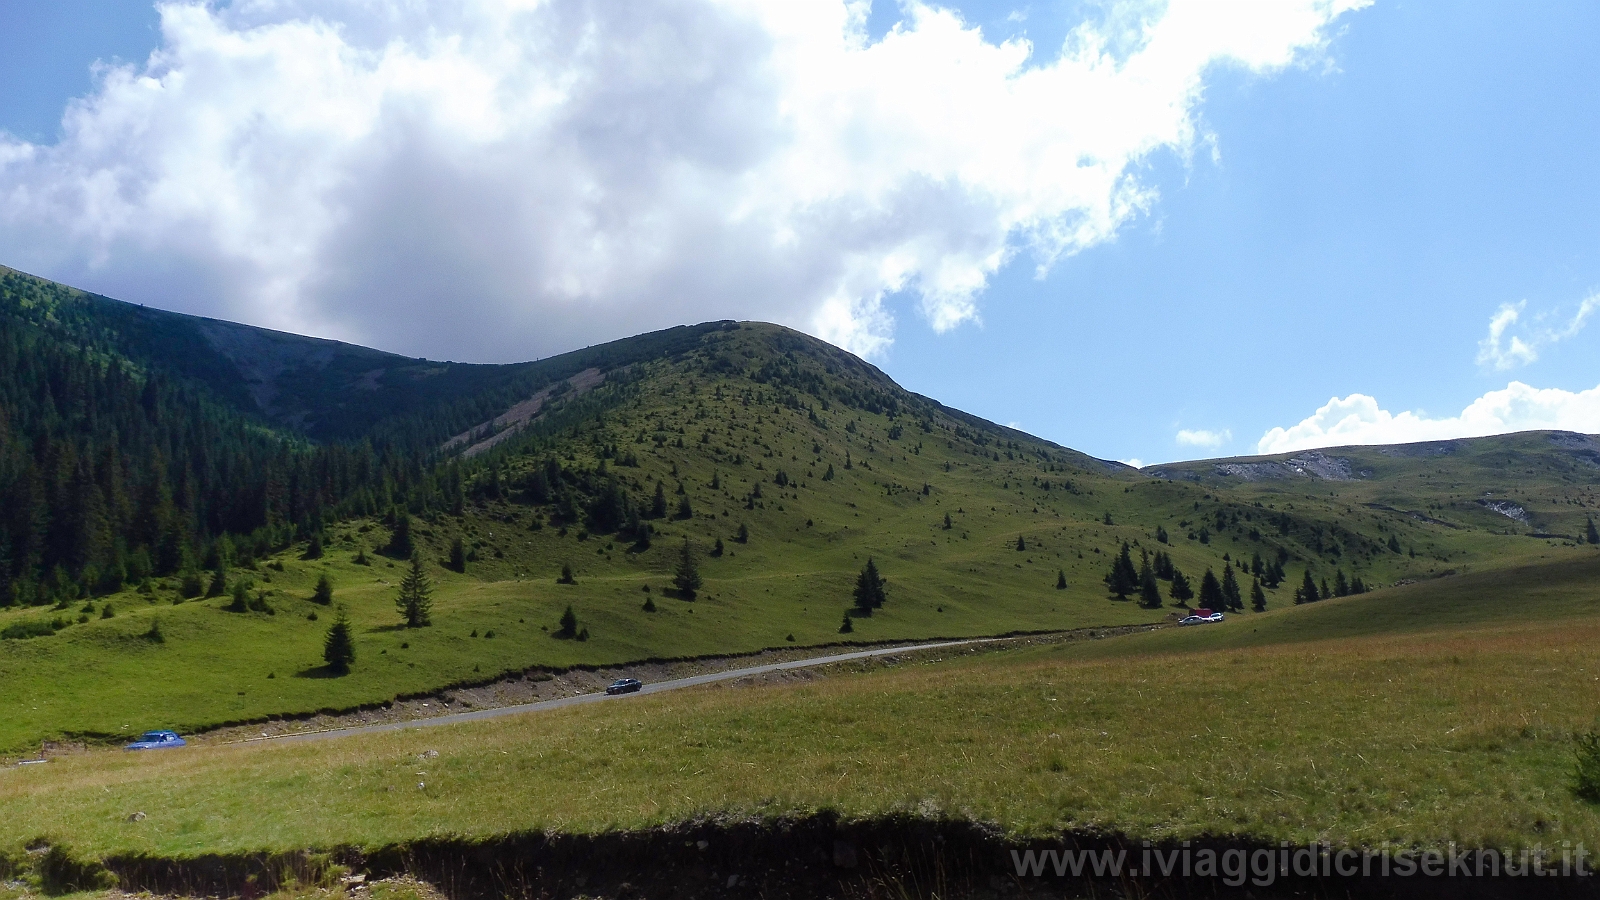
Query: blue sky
pixel 1347 225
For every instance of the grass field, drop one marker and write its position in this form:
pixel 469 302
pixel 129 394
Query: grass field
pixel 1459 729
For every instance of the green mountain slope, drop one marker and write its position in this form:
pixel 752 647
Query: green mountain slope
pixel 782 464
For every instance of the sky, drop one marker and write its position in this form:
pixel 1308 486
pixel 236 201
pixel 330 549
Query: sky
pixel 1147 230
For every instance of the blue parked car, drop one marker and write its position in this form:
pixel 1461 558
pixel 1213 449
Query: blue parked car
pixel 157 740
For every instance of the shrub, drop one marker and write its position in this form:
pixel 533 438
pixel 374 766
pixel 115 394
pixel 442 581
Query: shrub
pixel 23 630
pixel 154 635
pixel 1587 768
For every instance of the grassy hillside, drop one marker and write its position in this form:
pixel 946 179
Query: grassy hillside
pixel 1462 733
pixel 822 462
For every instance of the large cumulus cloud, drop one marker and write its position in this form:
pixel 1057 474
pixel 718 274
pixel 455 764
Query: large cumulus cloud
pixel 497 179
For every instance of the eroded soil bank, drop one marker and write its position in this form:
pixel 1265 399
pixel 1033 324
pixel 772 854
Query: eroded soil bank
pixel 817 856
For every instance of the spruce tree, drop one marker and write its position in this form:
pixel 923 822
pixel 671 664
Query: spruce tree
pixel 415 603
pixel 569 624
pixel 744 534
pixel 1211 593
pixel 1307 591
pixel 241 597
pixel 1149 591
pixel 1123 579
pixel 658 504
pixel 847 627
pixel 1230 588
pixel 1258 597
pixel 314 547
pixel 458 556
pixel 1161 534
pixel 685 511
pixel 1022 545
pixel 219 582
pixel 869 592
pixel 686 577
pixel 1394 544
pixel 566 575
pixel 400 543
pixel 1061 579
pixel 1180 591
pixel 947 523
pixel 339 649
pixel 323 593
pixel 1341 587
pixel 1594 534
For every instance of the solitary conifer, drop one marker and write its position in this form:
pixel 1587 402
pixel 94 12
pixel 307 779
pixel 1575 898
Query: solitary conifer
pixel 323 593
pixel 569 624
pixel 1594 534
pixel 846 628
pixel 869 593
pixel 687 575
pixel 339 650
pixel 1061 579
pixel 415 603
pixel 1258 598
pixel 458 556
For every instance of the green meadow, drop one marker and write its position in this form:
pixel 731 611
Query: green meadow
pixel 1459 729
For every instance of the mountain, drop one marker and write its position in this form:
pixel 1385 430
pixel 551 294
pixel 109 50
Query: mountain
pixel 147 459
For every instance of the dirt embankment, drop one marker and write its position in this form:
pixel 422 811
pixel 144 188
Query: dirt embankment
pixel 815 856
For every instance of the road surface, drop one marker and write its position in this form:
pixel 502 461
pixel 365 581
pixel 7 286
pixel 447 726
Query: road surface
pixel 656 688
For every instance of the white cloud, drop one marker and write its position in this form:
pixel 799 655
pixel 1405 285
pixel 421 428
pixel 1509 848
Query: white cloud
pixel 1503 351
pixel 1357 419
pixel 1135 462
pixel 497 179
pixel 1200 438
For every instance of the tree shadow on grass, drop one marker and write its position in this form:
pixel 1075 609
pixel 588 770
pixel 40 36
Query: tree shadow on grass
pixel 319 672
pixel 386 629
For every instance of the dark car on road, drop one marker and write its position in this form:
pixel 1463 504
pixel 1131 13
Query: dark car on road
pixel 624 686
pixel 157 740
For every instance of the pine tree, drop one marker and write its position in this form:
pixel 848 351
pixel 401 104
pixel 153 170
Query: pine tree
pixel 947 523
pixel 869 593
pixel 323 593
pixel 1022 545
pixel 658 503
pixel 1258 597
pixel 219 582
pixel 1161 534
pixel 1230 589
pixel 1341 587
pixel 1211 592
pixel 339 649
pixel 1180 591
pixel 847 627
pixel 1149 591
pixel 828 476
pixel 458 556
pixel 241 597
pixel 686 577
pixel 685 511
pixel 314 547
pixel 1061 579
pixel 415 603
pixel 1307 591
pixel 1594 534
pixel 569 624
pixel 1394 544
pixel 566 575
pixel 744 534
pixel 1123 579
pixel 400 543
